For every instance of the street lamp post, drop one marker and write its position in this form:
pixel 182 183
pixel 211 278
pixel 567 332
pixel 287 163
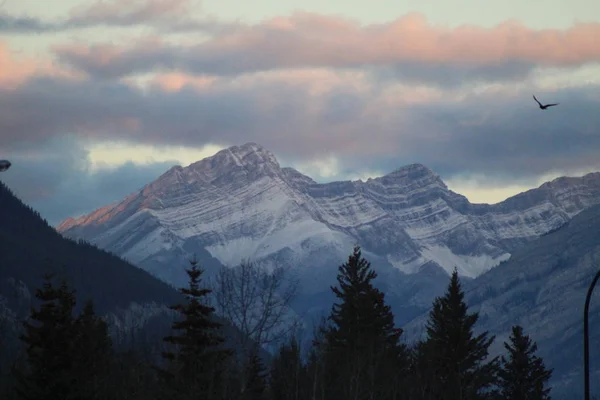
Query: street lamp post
pixel 586 337
pixel 4 165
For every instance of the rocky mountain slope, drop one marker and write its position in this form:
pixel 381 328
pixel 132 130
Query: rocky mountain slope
pixel 543 288
pixel 240 203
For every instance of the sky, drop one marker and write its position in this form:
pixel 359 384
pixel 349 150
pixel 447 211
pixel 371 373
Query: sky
pixel 99 98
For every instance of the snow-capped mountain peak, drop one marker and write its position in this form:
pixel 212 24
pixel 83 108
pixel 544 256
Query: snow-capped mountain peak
pixel 240 204
pixel 249 158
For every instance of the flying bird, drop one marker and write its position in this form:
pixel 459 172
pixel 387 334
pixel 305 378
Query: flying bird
pixel 4 165
pixel 543 107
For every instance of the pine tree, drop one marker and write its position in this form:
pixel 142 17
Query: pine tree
pixel 196 366
pixel 363 353
pixel 455 354
pixel 49 339
pixel 523 375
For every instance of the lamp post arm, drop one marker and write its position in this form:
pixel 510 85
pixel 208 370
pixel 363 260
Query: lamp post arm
pixel 586 336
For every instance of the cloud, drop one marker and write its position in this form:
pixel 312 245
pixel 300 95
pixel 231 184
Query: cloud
pixel 335 123
pixel 164 15
pixel 14 24
pixel 407 48
pixel 129 12
pixel 15 69
pixel 110 155
pixel 57 179
pixel 308 115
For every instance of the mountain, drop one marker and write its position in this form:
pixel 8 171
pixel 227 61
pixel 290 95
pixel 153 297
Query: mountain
pixel 29 247
pixel 240 204
pixel 134 302
pixel 543 288
pixel 525 260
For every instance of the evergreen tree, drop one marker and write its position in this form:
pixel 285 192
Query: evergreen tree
pixel 256 382
pixel 288 374
pixel 92 354
pixel 523 375
pixel 49 339
pixel 421 372
pixel 363 355
pixel 457 357
pixel 196 366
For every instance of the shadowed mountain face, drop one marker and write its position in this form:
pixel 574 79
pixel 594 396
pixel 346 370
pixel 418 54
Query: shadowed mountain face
pixel 543 288
pixel 29 247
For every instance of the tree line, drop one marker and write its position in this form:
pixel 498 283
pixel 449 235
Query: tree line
pixel 356 353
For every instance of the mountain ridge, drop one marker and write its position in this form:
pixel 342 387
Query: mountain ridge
pixel 411 227
pixel 240 203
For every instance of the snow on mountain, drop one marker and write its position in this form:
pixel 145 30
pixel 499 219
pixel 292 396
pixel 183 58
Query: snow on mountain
pixel 240 203
pixel 543 289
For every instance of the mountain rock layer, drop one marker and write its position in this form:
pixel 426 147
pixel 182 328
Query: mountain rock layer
pixel 241 204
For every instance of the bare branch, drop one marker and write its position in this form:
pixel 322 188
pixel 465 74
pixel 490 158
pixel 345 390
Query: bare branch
pixel 256 301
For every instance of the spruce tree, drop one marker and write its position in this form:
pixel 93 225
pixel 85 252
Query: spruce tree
pixel 523 375
pixel 456 356
pixel 363 355
pixel 49 338
pixel 196 365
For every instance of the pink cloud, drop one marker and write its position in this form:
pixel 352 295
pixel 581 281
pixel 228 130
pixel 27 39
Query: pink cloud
pixel 174 82
pixel 15 70
pixel 309 40
pixel 327 40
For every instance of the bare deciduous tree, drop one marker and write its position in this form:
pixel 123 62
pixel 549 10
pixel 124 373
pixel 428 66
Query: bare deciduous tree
pixel 256 301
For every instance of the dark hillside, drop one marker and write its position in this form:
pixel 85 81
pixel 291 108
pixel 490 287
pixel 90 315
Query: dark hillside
pixel 30 247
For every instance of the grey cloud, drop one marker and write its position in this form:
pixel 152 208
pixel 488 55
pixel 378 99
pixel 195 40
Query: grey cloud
pixel 129 12
pixel 201 59
pixel 514 141
pixel 500 137
pixel 164 15
pixel 210 58
pixel 14 24
pixel 144 59
pixel 48 107
pixel 55 179
pixel 453 75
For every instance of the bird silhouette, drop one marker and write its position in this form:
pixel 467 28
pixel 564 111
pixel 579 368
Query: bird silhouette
pixel 542 106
